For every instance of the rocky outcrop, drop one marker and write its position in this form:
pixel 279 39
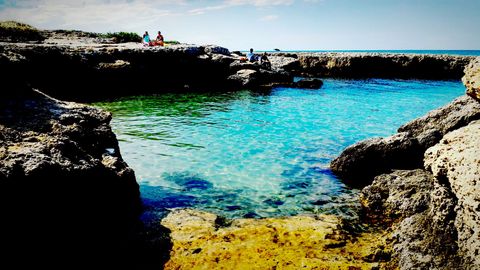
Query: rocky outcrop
pixel 78 70
pixel 368 65
pixel 359 163
pixel 455 161
pixel 432 209
pixel 65 191
pixel 422 211
pixel 472 79
pixel 204 240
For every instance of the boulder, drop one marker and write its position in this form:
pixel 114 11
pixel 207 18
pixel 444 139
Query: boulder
pixel 65 190
pixel 359 163
pixel 309 83
pixel 244 77
pixel 471 79
pixel 213 49
pixel 455 160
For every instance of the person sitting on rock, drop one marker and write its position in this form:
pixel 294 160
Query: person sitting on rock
pixel 159 40
pixel 146 39
pixel 264 62
pixel 251 56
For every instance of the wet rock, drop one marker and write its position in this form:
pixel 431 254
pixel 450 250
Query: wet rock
pixel 472 78
pixel 455 161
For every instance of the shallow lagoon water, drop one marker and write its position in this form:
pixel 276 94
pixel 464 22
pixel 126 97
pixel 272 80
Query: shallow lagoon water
pixel 251 154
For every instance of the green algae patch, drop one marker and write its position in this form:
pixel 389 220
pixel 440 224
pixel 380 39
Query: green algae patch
pixel 298 242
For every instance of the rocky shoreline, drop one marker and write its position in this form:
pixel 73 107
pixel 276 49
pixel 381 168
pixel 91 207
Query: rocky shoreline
pixel 420 186
pixel 426 182
pixel 76 67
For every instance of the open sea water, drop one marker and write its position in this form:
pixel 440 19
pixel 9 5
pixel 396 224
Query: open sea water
pixel 262 154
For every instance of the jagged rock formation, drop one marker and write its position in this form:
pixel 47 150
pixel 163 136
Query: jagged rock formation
pixel 455 162
pixel 432 209
pixel 472 79
pixel 65 191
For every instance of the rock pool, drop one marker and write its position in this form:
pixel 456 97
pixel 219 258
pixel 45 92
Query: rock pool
pixel 262 154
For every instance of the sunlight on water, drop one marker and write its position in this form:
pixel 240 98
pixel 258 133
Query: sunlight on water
pixel 262 154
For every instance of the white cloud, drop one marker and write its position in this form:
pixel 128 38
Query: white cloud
pixel 232 3
pixel 260 3
pixel 88 14
pixel 269 18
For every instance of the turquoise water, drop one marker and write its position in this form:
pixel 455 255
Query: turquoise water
pixel 250 154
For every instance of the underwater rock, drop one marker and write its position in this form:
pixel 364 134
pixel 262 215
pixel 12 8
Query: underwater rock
pixel 201 241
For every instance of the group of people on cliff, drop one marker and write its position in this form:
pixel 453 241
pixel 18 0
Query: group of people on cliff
pixel 158 41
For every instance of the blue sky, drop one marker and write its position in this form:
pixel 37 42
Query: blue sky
pixel 268 24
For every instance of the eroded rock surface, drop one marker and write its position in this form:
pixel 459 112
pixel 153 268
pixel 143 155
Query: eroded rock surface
pixel 456 162
pixel 65 190
pixel 472 78
pixel 368 65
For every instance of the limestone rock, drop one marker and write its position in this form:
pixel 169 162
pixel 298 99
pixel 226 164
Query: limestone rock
pixel 456 160
pixel 244 77
pixel 213 49
pixel 368 65
pixel 359 163
pixel 283 62
pixel 430 128
pixel 472 78
pixel 422 212
pixel 62 182
pixel 397 195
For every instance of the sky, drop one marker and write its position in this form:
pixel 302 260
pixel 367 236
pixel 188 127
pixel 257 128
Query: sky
pixel 269 24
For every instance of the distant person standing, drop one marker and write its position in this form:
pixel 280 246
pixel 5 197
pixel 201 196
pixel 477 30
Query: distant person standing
pixel 159 40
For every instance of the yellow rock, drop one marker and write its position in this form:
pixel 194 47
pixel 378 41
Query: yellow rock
pixel 299 242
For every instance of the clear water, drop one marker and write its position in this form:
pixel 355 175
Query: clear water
pixel 249 154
